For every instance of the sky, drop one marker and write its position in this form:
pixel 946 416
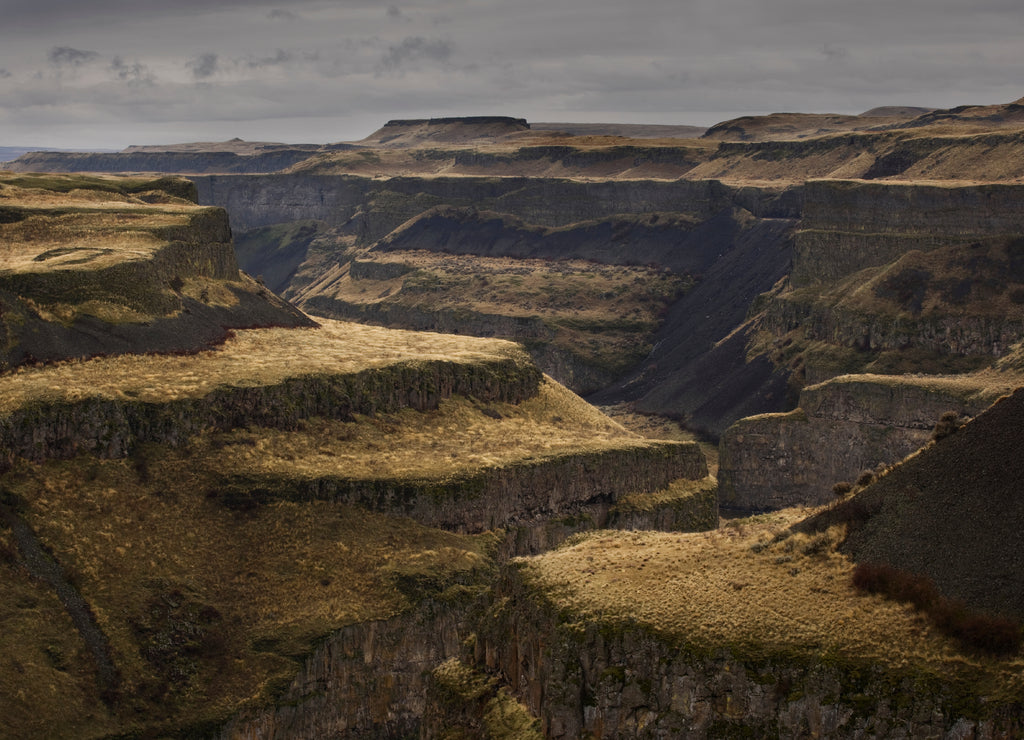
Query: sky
pixel 110 73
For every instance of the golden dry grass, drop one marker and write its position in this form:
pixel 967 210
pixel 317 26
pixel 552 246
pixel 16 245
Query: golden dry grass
pixel 653 426
pixel 438 159
pixel 678 490
pixel 456 439
pixel 604 314
pixel 81 228
pixel 82 241
pixel 251 358
pixel 276 579
pixel 751 589
pixel 519 287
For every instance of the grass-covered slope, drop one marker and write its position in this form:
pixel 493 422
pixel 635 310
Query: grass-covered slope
pixel 179 532
pixel 97 265
pixel 751 630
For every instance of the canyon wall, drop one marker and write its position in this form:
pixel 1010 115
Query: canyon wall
pixel 368 680
pixel 593 678
pixel 842 428
pixel 176 162
pixel 847 226
pixel 571 485
pixel 260 200
pixel 112 428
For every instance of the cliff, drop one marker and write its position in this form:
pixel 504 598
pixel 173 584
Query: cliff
pixel 184 163
pixel 226 542
pixel 733 243
pixel 98 265
pixel 842 428
pixel 951 513
pixel 847 226
pixel 611 638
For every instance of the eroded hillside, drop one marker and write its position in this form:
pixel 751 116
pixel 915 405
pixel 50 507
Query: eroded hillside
pixel 856 275
pixel 201 542
pixel 93 266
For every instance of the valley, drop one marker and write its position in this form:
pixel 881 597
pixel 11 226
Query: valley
pixel 293 438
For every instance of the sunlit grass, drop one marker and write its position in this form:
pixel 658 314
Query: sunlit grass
pixel 49 224
pixel 460 437
pixel 251 358
pixel 758 591
pixel 274 581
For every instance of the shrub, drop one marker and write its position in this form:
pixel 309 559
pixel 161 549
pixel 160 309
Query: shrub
pixel 842 488
pixel 947 424
pixel 866 478
pixel 993 634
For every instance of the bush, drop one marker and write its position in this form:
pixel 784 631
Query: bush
pixel 947 424
pixel 866 478
pixel 993 634
pixel 842 488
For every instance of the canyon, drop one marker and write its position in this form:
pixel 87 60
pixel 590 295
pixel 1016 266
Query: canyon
pixel 378 507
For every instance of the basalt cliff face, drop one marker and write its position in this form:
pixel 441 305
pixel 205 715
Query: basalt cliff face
pixel 583 678
pixel 843 429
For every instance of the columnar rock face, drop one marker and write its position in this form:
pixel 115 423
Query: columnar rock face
pixel 842 428
pixel 586 679
pixel 847 226
pixel 112 428
pixel 531 493
pixel 384 205
pixel 367 680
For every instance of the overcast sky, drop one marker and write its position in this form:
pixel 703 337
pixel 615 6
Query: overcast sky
pixel 109 73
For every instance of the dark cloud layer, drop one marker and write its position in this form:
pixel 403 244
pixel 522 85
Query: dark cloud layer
pixel 65 56
pixel 203 66
pixel 414 50
pixel 112 72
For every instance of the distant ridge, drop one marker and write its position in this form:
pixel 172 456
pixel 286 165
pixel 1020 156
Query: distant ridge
pixel 464 120
pixel 456 130
pixel 10 153
pixel 896 111
pixel 628 130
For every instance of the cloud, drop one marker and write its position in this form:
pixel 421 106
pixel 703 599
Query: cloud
pixel 135 73
pixel 280 57
pixel 394 12
pixel 65 56
pixel 203 66
pixel 280 14
pixel 4 74
pixel 414 49
pixel 834 53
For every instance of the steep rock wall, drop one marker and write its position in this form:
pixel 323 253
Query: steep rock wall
pixel 175 162
pixel 592 679
pixel 113 427
pixel 841 428
pixel 365 681
pixel 384 205
pixel 847 226
pixel 253 201
pixel 580 485
pixel 949 334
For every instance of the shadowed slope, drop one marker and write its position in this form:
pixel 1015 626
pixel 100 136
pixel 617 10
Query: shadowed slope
pixel 953 512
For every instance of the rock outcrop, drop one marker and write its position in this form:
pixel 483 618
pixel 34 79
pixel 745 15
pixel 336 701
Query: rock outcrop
pixel 367 680
pixel 842 428
pixel 119 266
pixel 584 679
